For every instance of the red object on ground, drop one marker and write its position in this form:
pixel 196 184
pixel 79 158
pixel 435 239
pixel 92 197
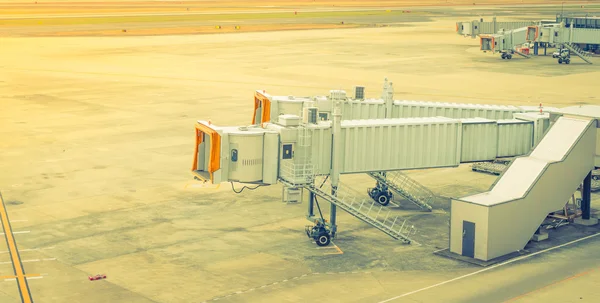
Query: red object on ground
pixel 97 277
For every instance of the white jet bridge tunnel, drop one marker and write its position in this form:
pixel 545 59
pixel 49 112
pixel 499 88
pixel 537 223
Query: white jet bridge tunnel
pixel 303 149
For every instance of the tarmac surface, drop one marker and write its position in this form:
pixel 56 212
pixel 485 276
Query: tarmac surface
pixel 96 145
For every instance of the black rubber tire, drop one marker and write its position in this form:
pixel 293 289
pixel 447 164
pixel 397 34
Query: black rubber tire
pixel 559 61
pixel 323 240
pixel 509 57
pixel 567 61
pixel 383 199
pixel 503 57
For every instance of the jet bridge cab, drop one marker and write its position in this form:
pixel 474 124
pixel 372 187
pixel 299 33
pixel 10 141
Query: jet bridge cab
pixel 241 154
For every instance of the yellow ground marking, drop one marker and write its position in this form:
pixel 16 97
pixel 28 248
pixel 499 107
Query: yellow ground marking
pixel 339 251
pixel 26 276
pixel 14 255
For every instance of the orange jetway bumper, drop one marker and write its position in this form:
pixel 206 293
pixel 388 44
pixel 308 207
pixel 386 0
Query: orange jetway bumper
pixel 262 101
pixel 214 163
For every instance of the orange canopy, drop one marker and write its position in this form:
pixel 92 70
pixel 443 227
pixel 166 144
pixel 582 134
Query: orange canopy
pixel 262 101
pixel 214 163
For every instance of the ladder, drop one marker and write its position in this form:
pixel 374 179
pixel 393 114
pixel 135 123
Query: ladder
pixel 364 209
pixel 585 56
pixel 522 54
pixel 405 186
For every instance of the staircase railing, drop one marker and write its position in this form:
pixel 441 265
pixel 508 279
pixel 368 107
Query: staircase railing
pixel 578 52
pixel 364 209
pixel 407 187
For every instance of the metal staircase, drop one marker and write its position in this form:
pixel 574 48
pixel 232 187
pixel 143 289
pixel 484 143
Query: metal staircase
pixel 576 50
pixel 364 209
pixel 521 54
pixel 403 185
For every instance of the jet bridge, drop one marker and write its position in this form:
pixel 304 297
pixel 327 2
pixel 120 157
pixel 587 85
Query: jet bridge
pixel 480 27
pixel 507 42
pixel 305 152
pixel 579 41
pixel 268 108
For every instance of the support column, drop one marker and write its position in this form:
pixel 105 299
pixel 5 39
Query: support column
pixel 335 167
pixel 311 204
pixel 586 199
pixel 545 48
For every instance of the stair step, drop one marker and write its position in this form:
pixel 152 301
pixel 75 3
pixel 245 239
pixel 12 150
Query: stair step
pixel 361 215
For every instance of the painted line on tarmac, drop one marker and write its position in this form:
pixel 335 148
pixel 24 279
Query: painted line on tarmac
pixel 18 232
pixel 312 275
pixel 490 268
pixel 33 260
pixel 29 249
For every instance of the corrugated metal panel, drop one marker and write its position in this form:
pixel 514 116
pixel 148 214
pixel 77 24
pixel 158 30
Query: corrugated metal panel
pixel 393 144
pixel 479 140
pixel 540 123
pixel 321 148
pixel 487 28
pixel 586 35
pixel 411 109
pixel 515 137
pixel 368 109
pixel 270 158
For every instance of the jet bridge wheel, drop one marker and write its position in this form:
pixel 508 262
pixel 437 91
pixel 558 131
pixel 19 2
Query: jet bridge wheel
pixel 323 239
pixel 383 198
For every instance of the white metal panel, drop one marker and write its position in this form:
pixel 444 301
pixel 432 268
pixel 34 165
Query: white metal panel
pixel 540 123
pixel 321 148
pixel 566 132
pixel 289 107
pixel 249 149
pixel 394 144
pixel 409 109
pixel 513 184
pixel 479 140
pixel 286 134
pixel 515 137
pixel 368 109
pixel 586 35
pixel 270 157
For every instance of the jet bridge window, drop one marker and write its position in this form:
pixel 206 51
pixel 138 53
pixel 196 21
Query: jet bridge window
pixel 234 155
pixel 287 151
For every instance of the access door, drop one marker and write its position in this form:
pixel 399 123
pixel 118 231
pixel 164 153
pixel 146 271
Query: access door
pixel 468 241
